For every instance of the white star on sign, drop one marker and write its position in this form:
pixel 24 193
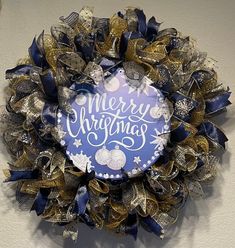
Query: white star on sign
pixel 77 142
pixel 137 160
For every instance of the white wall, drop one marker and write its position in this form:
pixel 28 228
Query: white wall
pixel 208 223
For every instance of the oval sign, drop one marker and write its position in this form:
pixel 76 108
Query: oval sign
pixel 122 128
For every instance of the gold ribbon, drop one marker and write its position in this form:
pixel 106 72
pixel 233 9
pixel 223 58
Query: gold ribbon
pixel 98 187
pixel 32 186
pixel 111 44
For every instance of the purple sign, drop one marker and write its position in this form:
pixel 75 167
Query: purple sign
pixel 123 127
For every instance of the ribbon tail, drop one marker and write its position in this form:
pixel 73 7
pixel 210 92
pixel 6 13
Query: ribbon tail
pixel 81 200
pixel 40 201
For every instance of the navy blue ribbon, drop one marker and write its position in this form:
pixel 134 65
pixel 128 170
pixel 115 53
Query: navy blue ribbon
pixel 49 114
pixel 21 175
pixel 40 201
pixel 87 220
pixel 217 103
pixel 131 226
pixel 209 130
pixel 188 85
pixel 87 49
pixel 173 44
pixel 179 134
pixel 49 84
pixel 152 226
pixel 164 158
pixel 165 82
pixel 141 21
pixel 37 56
pixel 81 200
pixel 119 13
pixel 200 163
pixel 201 76
pixel 152 29
pixel 18 71
pixel 62 38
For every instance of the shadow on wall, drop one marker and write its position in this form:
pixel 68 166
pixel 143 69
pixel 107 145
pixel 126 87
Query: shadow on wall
pixel 88 238
pixel 190 215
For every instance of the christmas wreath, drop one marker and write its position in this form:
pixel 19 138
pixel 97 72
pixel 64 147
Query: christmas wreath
pixel 108 123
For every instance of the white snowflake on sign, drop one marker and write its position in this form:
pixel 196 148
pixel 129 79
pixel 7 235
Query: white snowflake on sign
pixel 160 140
pixel 137 160
pixel 77 142
pixel 81 161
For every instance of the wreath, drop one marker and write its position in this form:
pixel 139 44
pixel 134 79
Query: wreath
pixel 66 67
